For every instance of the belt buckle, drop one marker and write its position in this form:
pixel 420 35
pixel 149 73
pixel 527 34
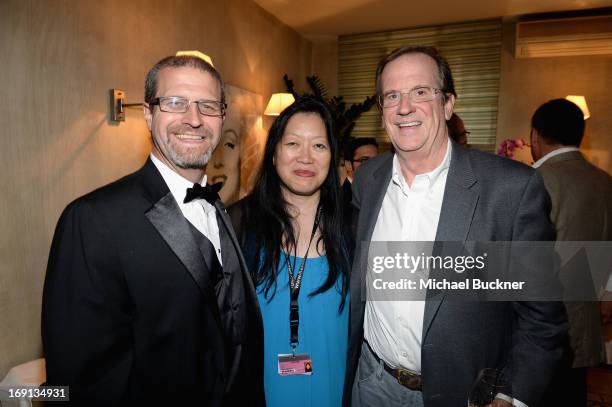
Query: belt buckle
pixel 408 379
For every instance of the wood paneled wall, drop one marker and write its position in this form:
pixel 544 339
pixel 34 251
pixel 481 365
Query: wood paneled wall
pixel 59 59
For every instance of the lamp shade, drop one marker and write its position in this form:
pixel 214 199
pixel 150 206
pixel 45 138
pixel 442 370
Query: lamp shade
pixel 278 102
pixel 580 101
pixel 196 54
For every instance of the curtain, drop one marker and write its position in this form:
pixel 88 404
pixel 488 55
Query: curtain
pixel 473 51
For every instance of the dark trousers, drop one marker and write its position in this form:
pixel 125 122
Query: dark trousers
pixel 568 388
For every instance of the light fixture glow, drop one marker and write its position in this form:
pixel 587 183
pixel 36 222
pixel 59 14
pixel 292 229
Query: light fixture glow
pixel 580 101
pixel 278 102
pixel 196 54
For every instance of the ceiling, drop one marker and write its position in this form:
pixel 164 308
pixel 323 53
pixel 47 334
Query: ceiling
pixel 321 18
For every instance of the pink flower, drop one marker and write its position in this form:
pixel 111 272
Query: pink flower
pixel 507 147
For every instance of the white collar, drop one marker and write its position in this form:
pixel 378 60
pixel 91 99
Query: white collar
pixel 553 154
pixel 176 183
pixel 432 176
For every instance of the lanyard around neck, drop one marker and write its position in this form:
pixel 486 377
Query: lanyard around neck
pixel 295 282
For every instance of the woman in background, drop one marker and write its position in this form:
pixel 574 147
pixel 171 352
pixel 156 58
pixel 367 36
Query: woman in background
pixel 291 231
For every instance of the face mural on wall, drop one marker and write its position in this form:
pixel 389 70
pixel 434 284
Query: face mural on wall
pixel 236 157
pixel 224 165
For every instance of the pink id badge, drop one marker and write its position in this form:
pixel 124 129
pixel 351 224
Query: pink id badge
pixel 289 365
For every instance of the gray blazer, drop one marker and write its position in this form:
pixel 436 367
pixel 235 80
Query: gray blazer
pixel 486 198
pixel 581 197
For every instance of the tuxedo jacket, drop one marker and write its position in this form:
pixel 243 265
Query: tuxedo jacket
pixel 486 198
pixel 581 196
pixel 134 309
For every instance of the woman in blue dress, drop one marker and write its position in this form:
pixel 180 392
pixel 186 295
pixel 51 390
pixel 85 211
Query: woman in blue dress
pixel 297 250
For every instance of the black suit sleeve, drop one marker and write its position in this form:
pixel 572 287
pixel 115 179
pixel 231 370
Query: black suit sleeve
pixel 85 316
pixel 541 326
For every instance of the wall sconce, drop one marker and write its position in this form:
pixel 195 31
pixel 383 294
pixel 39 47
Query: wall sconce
pixel 580 101
pixel 278 102
pixel 117 96
pixel 117 100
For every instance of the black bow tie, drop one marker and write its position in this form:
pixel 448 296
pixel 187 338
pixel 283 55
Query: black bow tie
pixel 209 192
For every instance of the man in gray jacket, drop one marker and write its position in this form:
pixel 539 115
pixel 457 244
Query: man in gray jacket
pixel 581 197
pixel 415 353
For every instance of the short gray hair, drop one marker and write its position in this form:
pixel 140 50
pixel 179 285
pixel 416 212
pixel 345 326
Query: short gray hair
pixel 179 62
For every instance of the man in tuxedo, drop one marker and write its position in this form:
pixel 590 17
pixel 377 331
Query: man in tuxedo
pixel 581 197
pixel 431 189
pixel 147 296
pixel 358 152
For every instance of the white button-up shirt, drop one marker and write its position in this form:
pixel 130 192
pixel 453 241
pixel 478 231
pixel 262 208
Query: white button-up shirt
pixel 198 212
pixel 394 329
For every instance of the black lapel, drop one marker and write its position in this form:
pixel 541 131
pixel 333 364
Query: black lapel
pixel 376 184
pixel 226 223
pixel 167 218
pixel 458 206
pixel 230 241
pixel 372 201
pixel 227 245
pixel 233 262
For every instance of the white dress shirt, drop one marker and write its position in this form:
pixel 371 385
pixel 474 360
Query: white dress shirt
pixel 554 153
pixel 198 212
pixel 394 329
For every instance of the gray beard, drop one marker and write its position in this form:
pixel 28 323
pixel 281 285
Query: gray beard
pixel 197 164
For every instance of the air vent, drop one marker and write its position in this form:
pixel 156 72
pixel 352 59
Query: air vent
pixel 564 37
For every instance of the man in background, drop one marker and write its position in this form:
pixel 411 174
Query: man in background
pixel 456 130
pixel 146 297
pixel 581 210
pixel 358 152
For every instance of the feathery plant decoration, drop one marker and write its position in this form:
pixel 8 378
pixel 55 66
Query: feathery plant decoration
pixel 344 118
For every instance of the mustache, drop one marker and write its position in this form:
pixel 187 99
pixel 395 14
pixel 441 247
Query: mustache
pixel 202 131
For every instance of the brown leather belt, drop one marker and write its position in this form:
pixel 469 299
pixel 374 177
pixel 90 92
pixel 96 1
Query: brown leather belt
pixel 404 377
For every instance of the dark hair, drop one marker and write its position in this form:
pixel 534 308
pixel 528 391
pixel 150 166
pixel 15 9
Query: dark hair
pixel 179 62
pixel 444 72
pixel 355 143
pixel 456 129
pixel 271 220
pixel 559 121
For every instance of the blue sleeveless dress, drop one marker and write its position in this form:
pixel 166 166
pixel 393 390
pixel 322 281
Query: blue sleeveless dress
pixel 323 332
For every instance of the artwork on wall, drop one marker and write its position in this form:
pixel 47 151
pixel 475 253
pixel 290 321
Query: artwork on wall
pixel 237 157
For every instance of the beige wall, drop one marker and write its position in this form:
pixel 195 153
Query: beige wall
pixel 60 58
pixel 527 83
pixel 325 62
